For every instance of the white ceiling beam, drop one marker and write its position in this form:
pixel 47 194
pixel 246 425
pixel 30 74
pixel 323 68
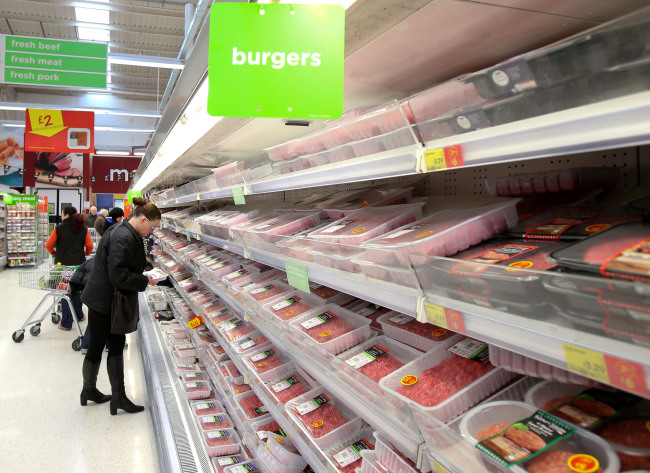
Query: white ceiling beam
pixel 20 106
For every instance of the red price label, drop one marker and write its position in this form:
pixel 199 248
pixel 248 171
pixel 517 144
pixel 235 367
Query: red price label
pixel 195 322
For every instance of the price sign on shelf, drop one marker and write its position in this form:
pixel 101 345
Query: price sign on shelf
pixel 626 375
pixel 443 158
pixel 238 195
pixel 438 468
pixel 446 318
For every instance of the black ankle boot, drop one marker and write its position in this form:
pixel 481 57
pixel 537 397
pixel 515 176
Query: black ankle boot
pixel 90 391
pixel 119 400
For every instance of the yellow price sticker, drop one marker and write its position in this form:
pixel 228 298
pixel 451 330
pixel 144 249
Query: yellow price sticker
pixel 46 122
pixel 435 159
pixel 588 363
pixel 438 468
pixel 436 315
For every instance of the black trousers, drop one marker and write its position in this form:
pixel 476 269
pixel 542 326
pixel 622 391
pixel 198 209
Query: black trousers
pixel 99 328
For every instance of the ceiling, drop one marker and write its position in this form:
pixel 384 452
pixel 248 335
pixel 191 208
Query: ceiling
pixel 395 48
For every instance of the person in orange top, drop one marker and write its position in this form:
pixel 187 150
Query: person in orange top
pixel 70 243
pixel 67 241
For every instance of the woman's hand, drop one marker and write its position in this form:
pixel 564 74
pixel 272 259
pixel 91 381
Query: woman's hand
pixel 151 282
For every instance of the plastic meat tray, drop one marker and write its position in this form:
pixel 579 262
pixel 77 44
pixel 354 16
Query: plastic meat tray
pixel 552 181
pixel 227 437
pixel 267 291
pixel 291 305
pixel 197 390
pixel 399 330
pixel 389 458
pixel 260 360
pixel 326 319
pixel 369 198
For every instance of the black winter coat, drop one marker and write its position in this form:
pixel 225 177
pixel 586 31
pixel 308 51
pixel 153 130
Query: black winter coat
pixel 119 263
pixel 70 246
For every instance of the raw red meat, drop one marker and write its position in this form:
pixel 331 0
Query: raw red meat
pixel 382 366
pixel 219 441
pixel 292 311
pixel 291 392
pixel 228 462
pixel 274 290
pixel 217 350
pixel 238 332
pixel 219 423
pixel 630 433
pixel 443 381
pixel 266 364
pixel 491 430
pixel 224 371
pixel 270 427
pixel 323 420
pixel 232 369
pixel 553 462
pixel 373 312
pixel 249 403
pixel 200 387
pixel 206 408
pixel 430 331
pixel 329 330
pixel 238 388
pixel 256 341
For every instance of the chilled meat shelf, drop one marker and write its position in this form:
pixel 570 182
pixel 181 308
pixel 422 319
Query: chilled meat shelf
pixel 405 436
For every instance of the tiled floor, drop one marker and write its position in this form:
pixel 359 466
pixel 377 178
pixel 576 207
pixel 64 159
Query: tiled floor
pixel 43 428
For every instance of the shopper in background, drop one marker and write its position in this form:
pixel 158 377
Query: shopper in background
pixel 70 243
pixel 119 264
pixel 91 217
pixel 101 220
pixel 114 216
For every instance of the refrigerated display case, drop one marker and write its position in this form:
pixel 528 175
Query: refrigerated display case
pixel 23 231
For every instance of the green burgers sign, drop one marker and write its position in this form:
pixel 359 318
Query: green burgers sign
pixel 276 60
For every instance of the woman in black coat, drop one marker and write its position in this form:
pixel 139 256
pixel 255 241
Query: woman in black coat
pixel 119 263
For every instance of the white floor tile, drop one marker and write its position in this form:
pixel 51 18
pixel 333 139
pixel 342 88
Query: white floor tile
pixel 42 425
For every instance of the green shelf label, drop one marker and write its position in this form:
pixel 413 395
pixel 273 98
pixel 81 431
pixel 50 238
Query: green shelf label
pixel 238 195
pixel 298 276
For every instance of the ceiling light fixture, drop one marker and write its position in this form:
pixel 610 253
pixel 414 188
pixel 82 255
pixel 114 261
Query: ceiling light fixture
pixel 105 111
pixel 145 61
pixel 105 152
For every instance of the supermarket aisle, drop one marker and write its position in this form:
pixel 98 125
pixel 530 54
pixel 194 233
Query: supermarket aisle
pixel 42 426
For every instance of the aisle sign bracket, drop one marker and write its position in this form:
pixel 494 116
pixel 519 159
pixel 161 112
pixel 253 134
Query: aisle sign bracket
pixel 52 62
pixel 276 60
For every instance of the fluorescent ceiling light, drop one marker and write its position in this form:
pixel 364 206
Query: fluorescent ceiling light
pixel 91 15
pixel 138 153
pixel 124 129
pixel 145 61
pixel 103 111
pixel 345 3
pixel 17 125
pixel 106 152
pixel 93 34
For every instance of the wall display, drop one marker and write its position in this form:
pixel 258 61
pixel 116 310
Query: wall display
pixel 276 60
pixel 113 175
pixel 58 169
pixel 59 130
pixel 12 156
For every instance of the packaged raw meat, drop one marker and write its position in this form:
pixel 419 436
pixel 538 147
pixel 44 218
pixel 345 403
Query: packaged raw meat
pixel 370 311
pixel 267 291
pixel 221 463
pixel 269 364
pixel 442 384
pixel 371 463
pixel 355 227
pixel 442 233
pixel 236 375
pixel 396 139
pixel 250 466
pixel 376 358
pixel 272 464
pixel 325 419
pixel 441 99
pixel 252 341
pixel 286 453
pixel 525 431
pixel 214 422
pixel 216 352
pixel 197 390
pixel 195 376
pixel 292 305
pixel 630 439
pixel 284 390
pixel 622 252
pixel 390 456
pixel 250 405
pixel 185 350
pixel 243 230
pixel 572 223
pixel 335 329
pixel 266 426
pixel 235 388
pixel 289 223
pixel 235 329
pixel 181 367
pixel 347 453
pixel 552 181
pixel 407 329
pixel 220 315
pixel 517 363
pixel 221 442
pixel 239 275
pixel 329 295
pixel 207 407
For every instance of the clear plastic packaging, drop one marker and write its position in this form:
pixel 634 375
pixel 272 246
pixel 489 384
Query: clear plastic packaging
pixel 288 223
pixel 221 442
pixel 287 388
pixel 348 459
pixel 328 424
pixel 390 458
pixel 517 363
pixel 234 388
pixel 214 422
pixel 216 352
pixel 368 198
pixel 460 385
pixel 207 407
pixel 221 463
pixel 197 390
pixel 267 292
pixel 250 405
pixel 370 311
pixel 181 367
pixel 285 452
pixel 333 328
pixel 269 363
pixel 441 99
pixel 441 233
pixel 184 351
pixel 330 295
pixel 551 181
pixel 505 412
pixel 236 376
pixel 271 463
pixel 408 330
pixel 251 341
pixel 195 376
pixel 370 463
pixel 292 305
pixel 250 466
pixel 393 140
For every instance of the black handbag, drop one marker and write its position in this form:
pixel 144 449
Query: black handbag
pixel 125 312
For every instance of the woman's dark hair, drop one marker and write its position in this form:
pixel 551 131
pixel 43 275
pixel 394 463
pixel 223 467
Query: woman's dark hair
pixel 69 211
pixel 78 222
pixel 145 208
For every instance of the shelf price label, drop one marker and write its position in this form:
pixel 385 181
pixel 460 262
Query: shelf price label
pixel 438 468
pixel 446 318
pixel 626 375
pixel 238 195
pixel 298 276
pixel 443 158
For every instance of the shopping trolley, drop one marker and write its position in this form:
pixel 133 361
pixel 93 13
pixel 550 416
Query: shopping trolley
pixel 55 280
pixel 95 237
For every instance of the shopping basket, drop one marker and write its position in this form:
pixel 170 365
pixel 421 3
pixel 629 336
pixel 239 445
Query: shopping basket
pixel 55 280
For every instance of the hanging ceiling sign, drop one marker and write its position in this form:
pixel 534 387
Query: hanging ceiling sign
pixel 275 60
pixel 59 130
pixel 52 62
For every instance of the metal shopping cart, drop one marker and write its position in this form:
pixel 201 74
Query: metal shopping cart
pixel 95 237
pixel 54 280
